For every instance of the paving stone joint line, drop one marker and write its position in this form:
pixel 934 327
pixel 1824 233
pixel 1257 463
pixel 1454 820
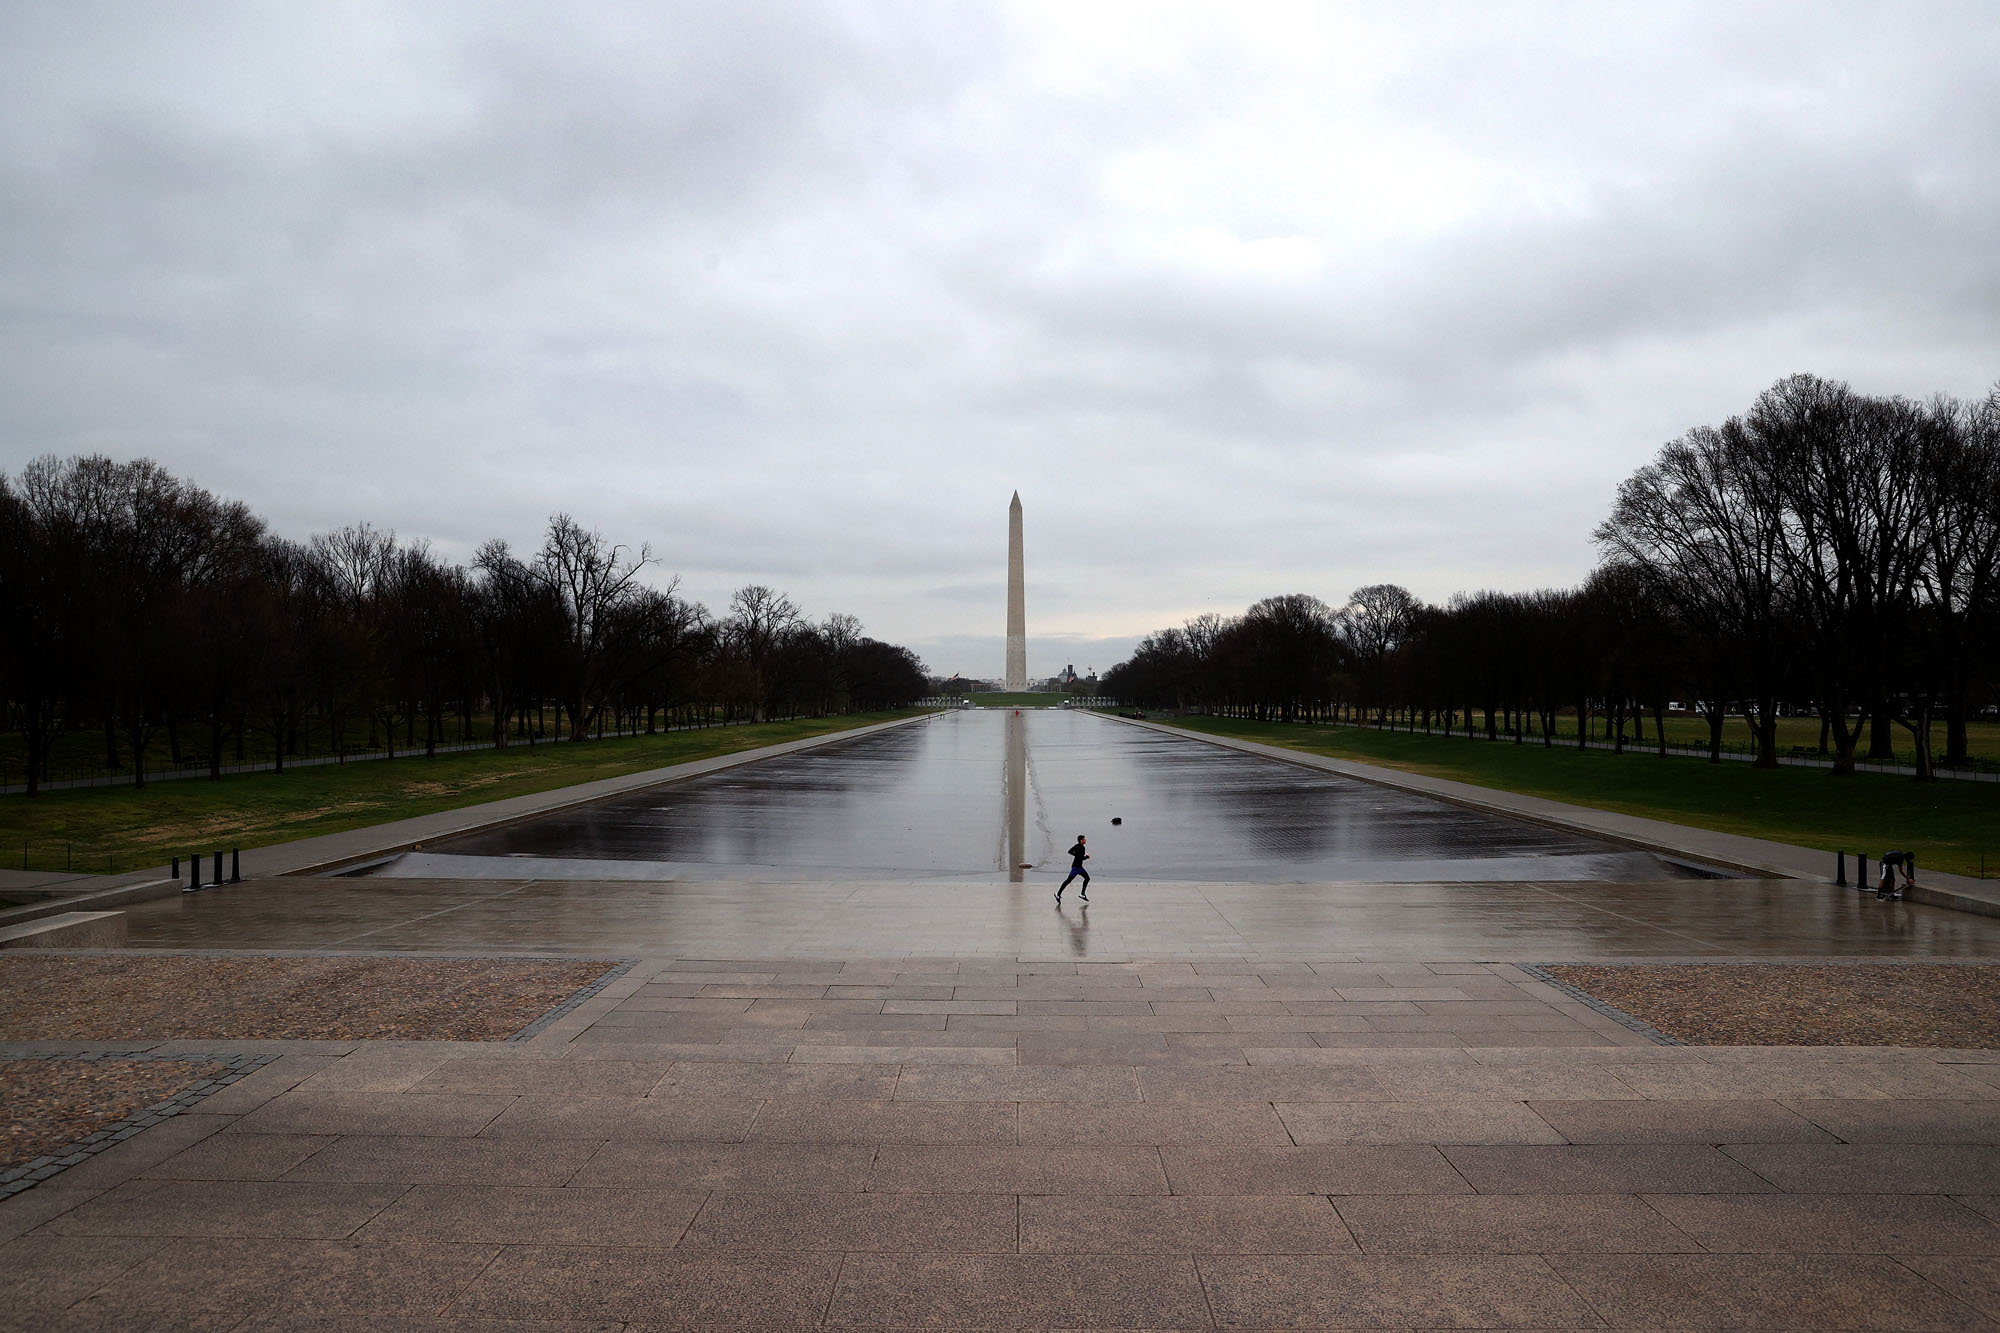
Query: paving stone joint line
pixel 591 991
pixel 1589 1001
pixel 34 1171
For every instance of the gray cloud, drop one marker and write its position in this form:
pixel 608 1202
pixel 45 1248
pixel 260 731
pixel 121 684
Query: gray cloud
pixel 1267 300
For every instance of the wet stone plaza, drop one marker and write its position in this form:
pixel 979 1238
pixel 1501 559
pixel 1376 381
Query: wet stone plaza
pixel 845 1065
pixel 947 837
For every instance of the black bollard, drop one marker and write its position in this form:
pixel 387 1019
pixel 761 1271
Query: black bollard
pixel 218 869
pixel 177 868
pixel 194 872
pixel 1861 869
pixel 1840 870
pixel 235 865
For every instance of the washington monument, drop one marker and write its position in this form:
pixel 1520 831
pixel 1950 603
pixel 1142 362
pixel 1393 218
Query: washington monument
pixel 1017 613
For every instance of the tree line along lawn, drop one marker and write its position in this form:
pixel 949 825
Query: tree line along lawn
pixel 1948 824
pixel 80 753
pixel 96 829
pixel 1690 729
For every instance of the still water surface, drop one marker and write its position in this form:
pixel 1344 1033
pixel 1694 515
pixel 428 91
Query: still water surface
pixel 1004 794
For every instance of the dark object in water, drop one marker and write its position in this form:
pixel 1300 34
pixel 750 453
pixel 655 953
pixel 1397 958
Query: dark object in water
pixel 1116 820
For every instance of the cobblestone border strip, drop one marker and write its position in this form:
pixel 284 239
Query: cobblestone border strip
pixel 34 1171
pixel 1589 1001
pixel 588 992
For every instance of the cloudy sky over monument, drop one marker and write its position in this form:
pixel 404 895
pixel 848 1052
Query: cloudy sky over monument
pixel 1243 300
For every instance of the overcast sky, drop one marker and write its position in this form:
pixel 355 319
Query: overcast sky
pixel 1243 299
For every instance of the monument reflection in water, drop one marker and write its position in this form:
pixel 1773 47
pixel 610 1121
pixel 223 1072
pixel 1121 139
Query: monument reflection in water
pixel 1014 794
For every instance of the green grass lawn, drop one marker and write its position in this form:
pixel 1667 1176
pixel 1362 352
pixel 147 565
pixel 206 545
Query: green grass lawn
pixel 1948 824
pixel 1018 699
pixel 97 829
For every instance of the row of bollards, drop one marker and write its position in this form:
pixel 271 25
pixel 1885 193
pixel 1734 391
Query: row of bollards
pixel 1860 870
pixel 194 884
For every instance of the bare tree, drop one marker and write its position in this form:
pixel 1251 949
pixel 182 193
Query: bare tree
pixel 759 619
pixel 46 592
pixel 352 565
pixel 591 580
pixel 1842 471
pixel 1956 474
pixel 1710 533
pixel 1374 624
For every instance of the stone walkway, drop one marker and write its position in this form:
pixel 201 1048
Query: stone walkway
pixel 973 1142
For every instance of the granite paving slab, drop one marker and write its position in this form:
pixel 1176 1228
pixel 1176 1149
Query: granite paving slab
pixel 1906 1120
pixel 654 1288
pixel 529 1215
pixel 1816 1291
pixel 1320 1170
pixel 1822 1223
pixel 1973 1281
pixel 555 1116
pixel 217 1284
pixel 1605 1169
pixel 1873 1168
pixel 1101 1224
pixel 1017 1170
pixel 696 1167
pixel 1340 1291
pixel 1532 1224
pixel 804 1120
pixel 1717 1121
pixel 451 1115
pixel 857 1223
pixel 242 1157
pixel 427 1160
pixel 1018 1291
pixel 1452 1122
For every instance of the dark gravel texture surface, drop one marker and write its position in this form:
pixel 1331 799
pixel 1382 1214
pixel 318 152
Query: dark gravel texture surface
pixel 46 1104
pixel 115 997
pixel 1787 1004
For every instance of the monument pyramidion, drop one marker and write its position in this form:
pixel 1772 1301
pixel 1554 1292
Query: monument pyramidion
pixel 1017 614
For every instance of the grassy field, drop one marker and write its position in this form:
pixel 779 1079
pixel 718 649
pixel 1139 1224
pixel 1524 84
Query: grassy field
pixel 1018 699
pixel 103 829
pixel 1948 824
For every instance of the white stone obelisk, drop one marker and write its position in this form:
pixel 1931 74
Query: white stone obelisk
pixel 1017 613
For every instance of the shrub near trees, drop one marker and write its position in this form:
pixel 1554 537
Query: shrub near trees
pixel 1824 553
pixel 139 606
